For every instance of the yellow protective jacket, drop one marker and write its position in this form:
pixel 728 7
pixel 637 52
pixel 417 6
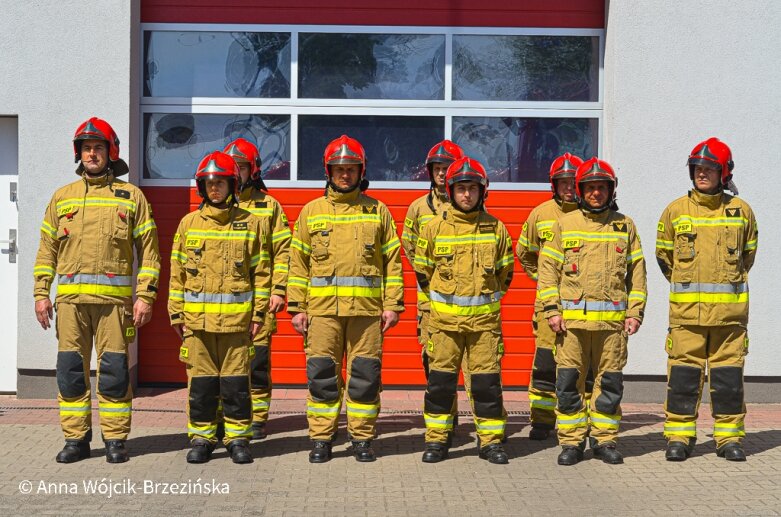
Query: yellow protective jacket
pixel 464 261
pixel 220 274
pixel 277 242
pixel 535 232
pixel 345 258
pixel 420 212
pixel 592 271
pixel 705 246
pixel 88 234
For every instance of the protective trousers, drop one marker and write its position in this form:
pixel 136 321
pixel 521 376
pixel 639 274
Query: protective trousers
pixel 111 328
pixel 328 340
pixel 690 349
pixel 542 389
pixel 217 370
pixel 483 353
pixel 605 351
pixel 423 339
pixel 260 371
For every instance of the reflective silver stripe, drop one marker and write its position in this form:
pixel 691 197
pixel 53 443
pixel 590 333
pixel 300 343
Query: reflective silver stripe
pixel 694 287
pixel 219 297
pixel 80 278
pixel 465 301
pixel 592 305
pixel 346 281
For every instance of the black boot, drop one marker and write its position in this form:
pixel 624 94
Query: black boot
pixel 363 451
pixel 494 453
pixel 259 430
pixel 321 452
pixel 435 452
pixel 116 451
pixel 201 451
pixel 74 450
pixel 731 451
pixel 679 451
pixel 539 432
pixel 608 454
pixel 239 451
pixel 570 455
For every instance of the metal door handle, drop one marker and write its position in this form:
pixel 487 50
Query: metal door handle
pixel 12 250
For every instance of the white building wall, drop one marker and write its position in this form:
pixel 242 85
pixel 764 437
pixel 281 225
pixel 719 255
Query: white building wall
pixel 62 62
pixel 677 73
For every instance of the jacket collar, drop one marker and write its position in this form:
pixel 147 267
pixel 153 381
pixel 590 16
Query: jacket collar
pixel 711 201
pixel 342 197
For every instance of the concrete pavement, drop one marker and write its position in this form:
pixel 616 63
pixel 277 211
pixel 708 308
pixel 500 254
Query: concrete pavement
pixel 282 482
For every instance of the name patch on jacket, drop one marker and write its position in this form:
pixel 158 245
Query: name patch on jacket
pixel 486 228
pixel 261 204
pixel 733 212
pixel 240 225
pixel 122 193
pixel 619 227
pixel 369 209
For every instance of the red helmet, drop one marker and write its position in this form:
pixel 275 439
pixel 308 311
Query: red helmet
pixel 714 153
pixel 218 165
pixel 444 152
pixel 244 150
pixel 565 166
pixel 596 170
pixel 344 151
pixel 466 169
pixel 96 129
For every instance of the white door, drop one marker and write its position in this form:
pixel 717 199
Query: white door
pixel 9 271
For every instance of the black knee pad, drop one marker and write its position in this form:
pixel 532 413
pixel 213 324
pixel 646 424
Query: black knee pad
pixel 321 379
pixel 259 368
pixel 590 380
pixel 70 374
pixel 567 394
pixel 440 392
pixel 544 371
pixel 364 385
pixel 683 389
pixel 487 394
pixel 612 387
pixel 726 390
pixel 113 375
pixel 236 402
pixel 204 396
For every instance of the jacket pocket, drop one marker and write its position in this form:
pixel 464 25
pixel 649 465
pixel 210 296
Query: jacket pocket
pixel 320 233
pixel 732 256
pixel 444 280
pixel 684 253
pixel 486 255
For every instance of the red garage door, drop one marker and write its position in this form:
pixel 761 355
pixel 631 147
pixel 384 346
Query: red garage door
pixel 158 345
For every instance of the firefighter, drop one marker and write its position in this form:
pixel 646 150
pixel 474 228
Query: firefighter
pixel 255 199
pixel 535 232
pixel 217 303
pixel 705 246
pixel 420 212
pixel 593 289
pixel 345 291
pixel 89 231
pixel 464 261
